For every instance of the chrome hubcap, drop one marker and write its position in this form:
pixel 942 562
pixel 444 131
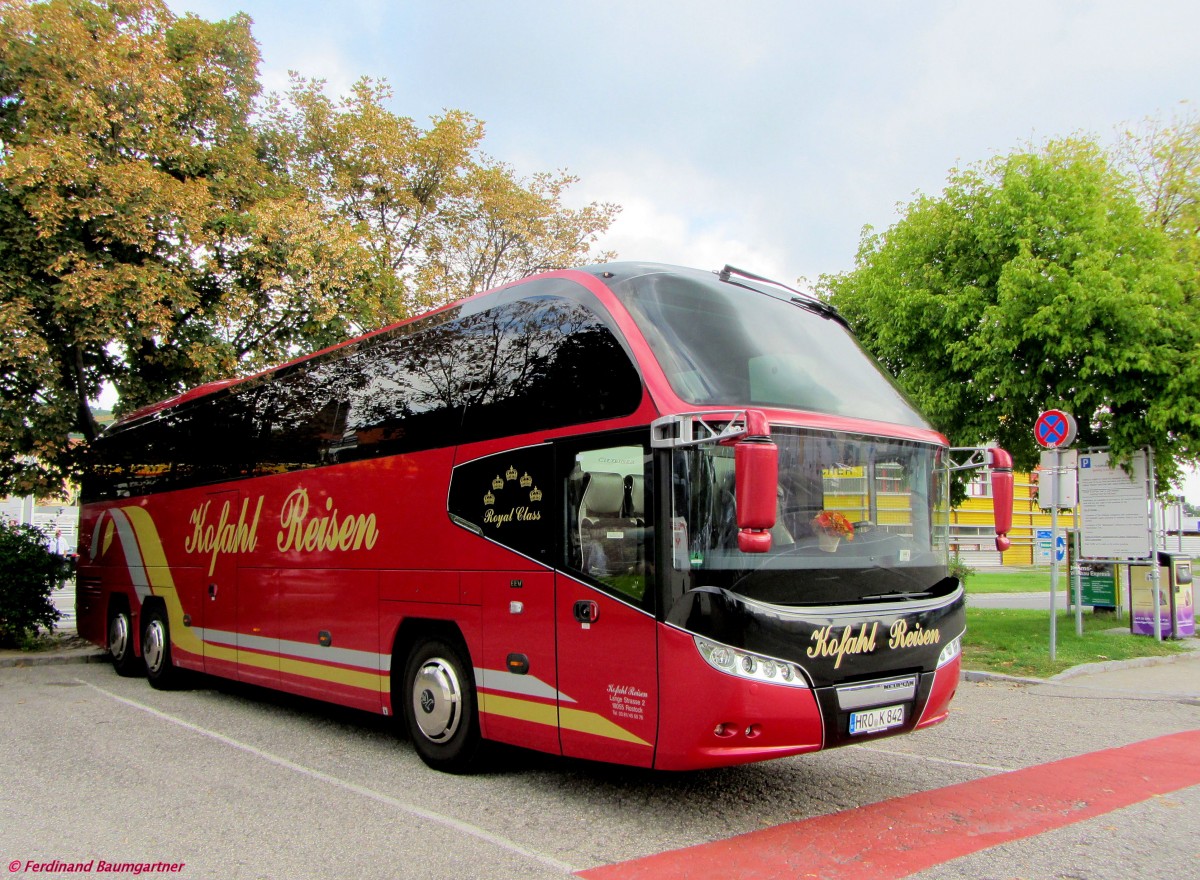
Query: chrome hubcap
pixel 118 636
pixel 437 700
pixel 154 645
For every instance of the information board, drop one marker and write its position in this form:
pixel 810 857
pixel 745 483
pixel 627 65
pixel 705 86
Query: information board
pixel 1114 507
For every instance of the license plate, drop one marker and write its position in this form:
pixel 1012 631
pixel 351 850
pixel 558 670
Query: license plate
pixel 875 720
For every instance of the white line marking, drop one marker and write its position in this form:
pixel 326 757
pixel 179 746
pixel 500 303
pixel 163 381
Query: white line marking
pixel 933 760
pixel 379 797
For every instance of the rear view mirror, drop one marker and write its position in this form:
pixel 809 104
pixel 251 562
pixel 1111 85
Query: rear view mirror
pixel 1002 495
pixel 756 466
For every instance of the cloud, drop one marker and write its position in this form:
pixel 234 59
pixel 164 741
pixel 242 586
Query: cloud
pixel 674 213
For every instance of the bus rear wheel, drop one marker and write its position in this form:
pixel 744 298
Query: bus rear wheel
pixel 161 671
pixel 439 704
pixel 120 643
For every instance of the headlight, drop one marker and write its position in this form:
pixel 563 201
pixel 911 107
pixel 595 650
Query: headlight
pixel 753 667
pixel 952 649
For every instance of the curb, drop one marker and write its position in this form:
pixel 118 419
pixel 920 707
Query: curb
pixel 972 675
pixel 1083 669
pixel 1111 665
pixel 53 658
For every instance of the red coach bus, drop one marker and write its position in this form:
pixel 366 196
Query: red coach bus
pixel 631 513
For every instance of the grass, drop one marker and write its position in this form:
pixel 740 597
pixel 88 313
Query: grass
pixel 1027 580
pixel 1016 641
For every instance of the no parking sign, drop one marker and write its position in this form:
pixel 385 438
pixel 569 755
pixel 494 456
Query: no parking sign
pixel 1054 429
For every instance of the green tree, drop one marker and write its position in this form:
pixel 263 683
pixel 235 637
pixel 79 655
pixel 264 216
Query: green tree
pixel 1163 159
pixel 1034 281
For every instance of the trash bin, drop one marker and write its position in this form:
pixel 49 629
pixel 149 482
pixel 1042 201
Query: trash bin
pixel 1176 610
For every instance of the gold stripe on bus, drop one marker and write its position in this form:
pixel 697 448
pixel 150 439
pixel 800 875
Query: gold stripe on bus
pixel 154 561
pixel 369 681
pixel 544 713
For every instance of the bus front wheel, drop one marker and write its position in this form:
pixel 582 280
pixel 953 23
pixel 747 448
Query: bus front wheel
pixel 440 706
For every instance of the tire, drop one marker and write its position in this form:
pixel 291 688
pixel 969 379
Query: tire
pixel 440 706
pixel 161 671
pixel 120 643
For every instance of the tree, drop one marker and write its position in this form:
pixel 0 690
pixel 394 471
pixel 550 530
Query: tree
pixel 160 227
pixel 125 149
pixel 1034 281
pixel 1163 159
pixel 506 229
pixel 438 218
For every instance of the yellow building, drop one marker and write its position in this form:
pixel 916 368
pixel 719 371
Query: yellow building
pixel 972 526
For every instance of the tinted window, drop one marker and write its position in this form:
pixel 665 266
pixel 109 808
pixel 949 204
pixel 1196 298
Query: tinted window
pixel 465 374
pixel 401 395
pixel 541 363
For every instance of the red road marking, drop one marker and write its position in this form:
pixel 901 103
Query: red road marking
pixel 899 837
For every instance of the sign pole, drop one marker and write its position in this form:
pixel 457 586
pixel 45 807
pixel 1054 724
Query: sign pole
pixel 1155 577
pixel 1054 553
pixel 1077 581
pixel 1053 430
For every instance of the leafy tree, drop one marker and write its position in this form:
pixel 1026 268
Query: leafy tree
pixel 437 217
pixel 508 228
pixel 31 574
pixel 157 232
pixel 124 142
pixel 1163 159
pixel 1034 281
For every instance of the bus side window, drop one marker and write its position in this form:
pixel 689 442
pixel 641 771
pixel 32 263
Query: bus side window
pixel 607 534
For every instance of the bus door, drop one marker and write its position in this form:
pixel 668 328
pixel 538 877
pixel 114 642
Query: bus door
pixel 219 593
pixel 509 499
pixel 241 608
pixel 604 608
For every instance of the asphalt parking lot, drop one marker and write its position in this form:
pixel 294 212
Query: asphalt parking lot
pixel 238 782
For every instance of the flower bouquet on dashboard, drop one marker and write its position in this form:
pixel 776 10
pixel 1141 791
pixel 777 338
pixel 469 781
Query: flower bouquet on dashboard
pixel 831 526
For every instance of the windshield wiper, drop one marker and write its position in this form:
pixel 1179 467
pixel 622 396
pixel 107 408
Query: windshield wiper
pixel 806 301
pixel 896 595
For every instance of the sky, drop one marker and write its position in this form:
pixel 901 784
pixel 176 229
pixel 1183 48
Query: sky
pixel 761 134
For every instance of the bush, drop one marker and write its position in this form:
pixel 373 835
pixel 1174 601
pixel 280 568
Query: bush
pixel 960 569
pixel 29 573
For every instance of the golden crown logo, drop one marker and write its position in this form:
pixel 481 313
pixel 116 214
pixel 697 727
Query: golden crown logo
pixel 536 494
pixel 489 499
pixel 497 484
pixel 511 473
pixel 526 481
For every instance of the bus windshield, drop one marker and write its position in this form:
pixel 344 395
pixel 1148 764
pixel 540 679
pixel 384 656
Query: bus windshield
pixel 732 344
pixel 862 517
